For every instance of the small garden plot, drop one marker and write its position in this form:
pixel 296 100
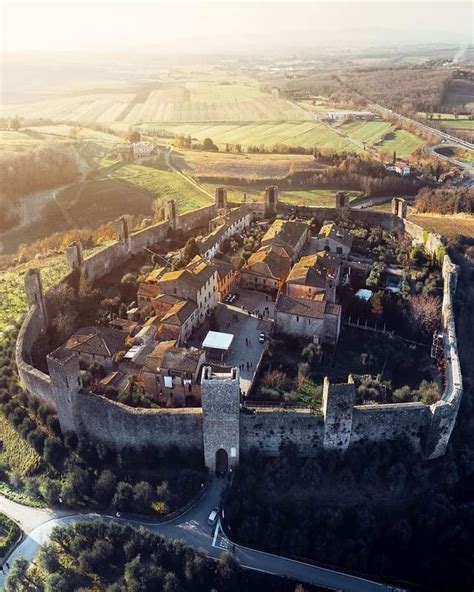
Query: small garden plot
pixel 386 370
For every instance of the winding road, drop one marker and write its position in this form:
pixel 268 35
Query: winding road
pixel 191 527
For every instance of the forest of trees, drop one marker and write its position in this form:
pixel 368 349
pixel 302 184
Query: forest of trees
pixel 112 557
pixel 380 509
pixel 366 175
pixel 408 89
pixel 445 201
pixel 46 166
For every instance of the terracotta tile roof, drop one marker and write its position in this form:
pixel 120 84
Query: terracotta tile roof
pixel 170 299
pixel 147 290
pixel 223 268
pixel 154 359
pixel 268 262
pixel 168 357
pixel 179 313
pixel 181 359
pixel 337 234
pixel 100 341
pixel 285 232
pixel 305 308
pixel 155 274
pixel 313 270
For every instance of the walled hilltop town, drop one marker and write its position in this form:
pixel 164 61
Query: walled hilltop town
pixel 193 341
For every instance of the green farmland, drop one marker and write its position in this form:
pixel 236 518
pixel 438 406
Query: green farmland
pixel 305 133
pixel 383 136
pixel 308 134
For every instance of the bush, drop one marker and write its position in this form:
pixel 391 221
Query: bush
pixel 123 496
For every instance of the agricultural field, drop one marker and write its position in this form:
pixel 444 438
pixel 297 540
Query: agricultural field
pixel 382 136
pixel 27 138
pixel 308 134
pixel 449 226
pixel 195 100
pixel 250 166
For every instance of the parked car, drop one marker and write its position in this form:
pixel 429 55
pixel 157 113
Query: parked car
pixel 213 516
pixel 261 337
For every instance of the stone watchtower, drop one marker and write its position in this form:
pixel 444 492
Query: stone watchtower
pixel 74 256
pixel 220 197
pixel 171 213
pixel 399 207
pixel 123 233
pixel 35 296
pixel 220 395
pixel 338 409
pixel 342 200
pixel 271 200
pixel 63 367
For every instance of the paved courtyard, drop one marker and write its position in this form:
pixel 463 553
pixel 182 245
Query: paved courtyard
pixel 234 318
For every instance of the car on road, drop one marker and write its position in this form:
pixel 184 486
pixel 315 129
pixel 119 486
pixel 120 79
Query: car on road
pixel 213 516
pixel 261 337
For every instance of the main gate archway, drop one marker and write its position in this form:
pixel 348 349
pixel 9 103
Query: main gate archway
pixel 222 461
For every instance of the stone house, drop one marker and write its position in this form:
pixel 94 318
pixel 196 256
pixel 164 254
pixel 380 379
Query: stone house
pixel 178 323
pixel 171 374
pixel 149 289
pixel 226 277
pixel 334 239
pixel 97 344
pixel 313 277
pixel 266 270
pixel 290 235
pixel 223 227
pixel 198 282
pixel 317 320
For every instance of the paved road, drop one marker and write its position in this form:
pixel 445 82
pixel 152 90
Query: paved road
pixel 192 528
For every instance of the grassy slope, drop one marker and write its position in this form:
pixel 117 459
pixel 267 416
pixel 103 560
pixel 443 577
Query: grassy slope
pixel 13 300
pixel 163 184
pixel 371 132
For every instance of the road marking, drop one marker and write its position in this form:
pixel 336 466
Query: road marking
pixel 215 535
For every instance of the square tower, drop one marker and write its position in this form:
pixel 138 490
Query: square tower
pixel 338 410
pixel 220 197
pixel 65 374
pixel 271 200
pixel 220 395
pixel 74 255
pixel 35 296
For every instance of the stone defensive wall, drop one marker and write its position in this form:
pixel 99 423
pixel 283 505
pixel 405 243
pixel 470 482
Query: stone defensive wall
pixel 118 425
pixel 428 427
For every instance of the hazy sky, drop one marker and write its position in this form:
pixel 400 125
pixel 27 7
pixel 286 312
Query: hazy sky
pixel 224 24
